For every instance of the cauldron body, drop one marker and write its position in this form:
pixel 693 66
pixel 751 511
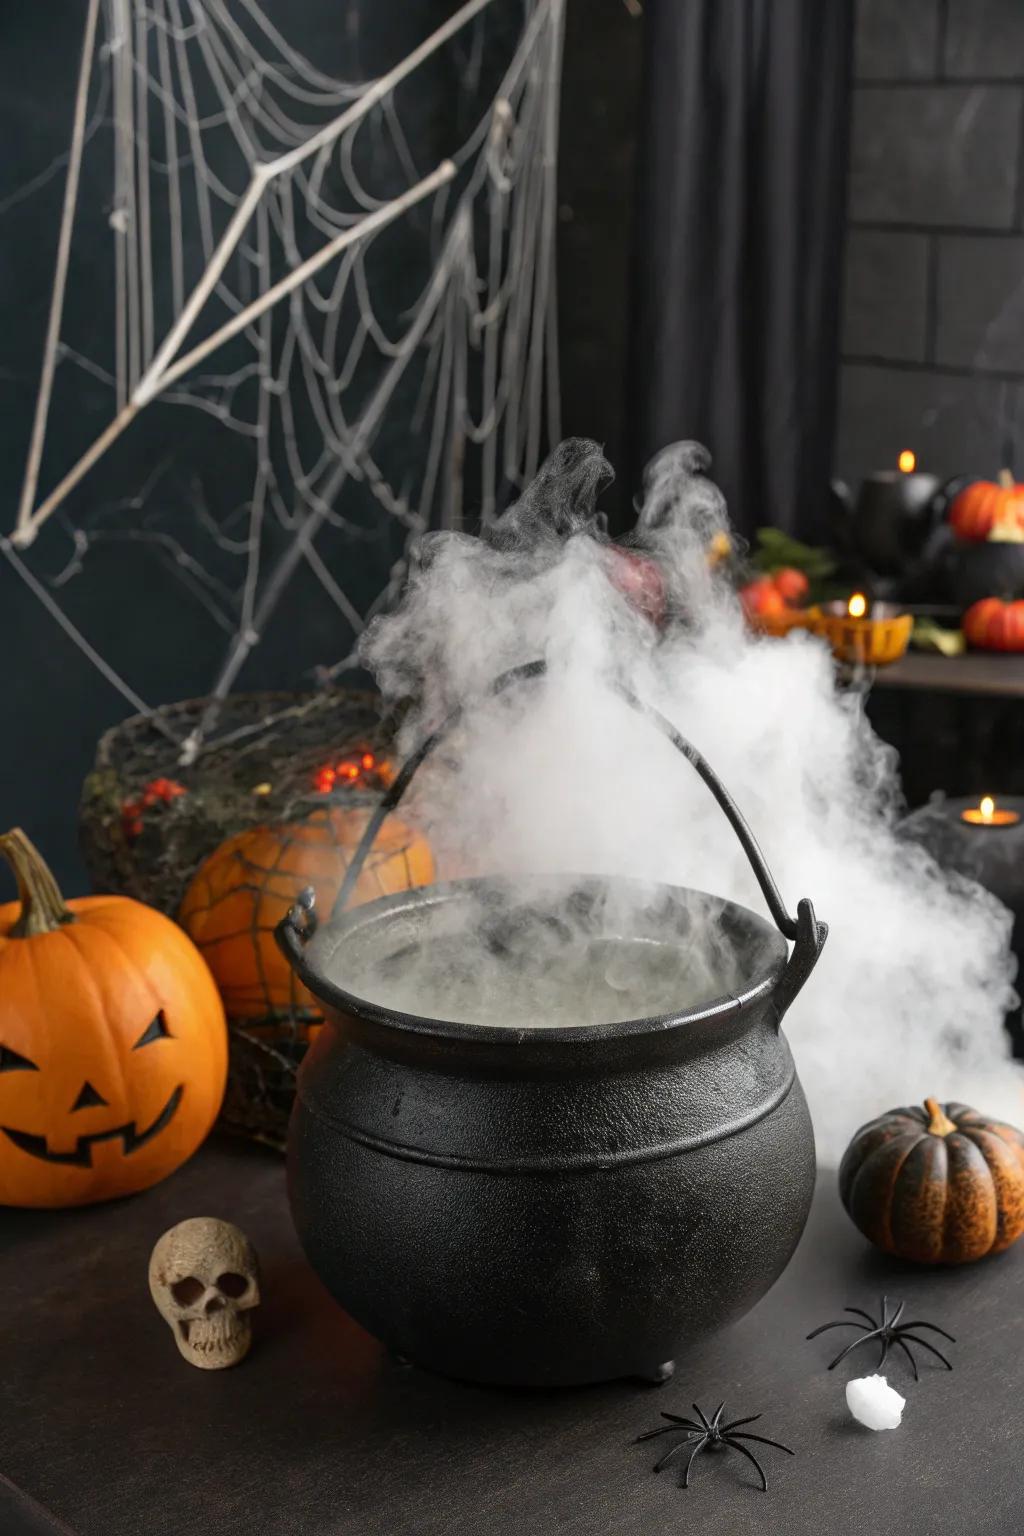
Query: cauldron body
pixel 546 1206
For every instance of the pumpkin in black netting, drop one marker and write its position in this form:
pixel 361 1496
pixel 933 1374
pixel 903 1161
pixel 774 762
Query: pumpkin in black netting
pixel 241 892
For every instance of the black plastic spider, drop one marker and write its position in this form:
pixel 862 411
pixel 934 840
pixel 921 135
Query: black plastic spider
pixel 889 1331
pixel 713 1436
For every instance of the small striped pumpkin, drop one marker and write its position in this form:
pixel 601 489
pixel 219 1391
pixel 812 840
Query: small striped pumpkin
pixel 940 1185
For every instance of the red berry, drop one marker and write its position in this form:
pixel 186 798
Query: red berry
pixel 792 584
pixel 641 582
pixel 762 599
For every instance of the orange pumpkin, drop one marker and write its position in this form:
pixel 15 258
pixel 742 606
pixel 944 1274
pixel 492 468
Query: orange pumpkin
pixel 993 625
pixel 241 892
pixel 113 1046
pixel 987 507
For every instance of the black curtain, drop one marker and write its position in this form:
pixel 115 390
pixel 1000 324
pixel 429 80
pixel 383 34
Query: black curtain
pixel 739 246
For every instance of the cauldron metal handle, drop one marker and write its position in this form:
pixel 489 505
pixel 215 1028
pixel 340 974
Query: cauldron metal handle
pixel 805 930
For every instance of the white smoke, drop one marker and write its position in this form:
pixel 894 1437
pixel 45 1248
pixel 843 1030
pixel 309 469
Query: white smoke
pixel 560 775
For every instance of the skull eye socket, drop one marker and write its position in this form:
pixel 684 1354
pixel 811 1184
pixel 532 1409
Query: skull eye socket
pixel 187 1291
pixel 10 1061
pixel 233 1285
pixel 157 1030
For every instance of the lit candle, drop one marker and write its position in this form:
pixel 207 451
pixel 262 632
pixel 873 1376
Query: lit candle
pixel 857 607
pixel 987 814
pixel 907 461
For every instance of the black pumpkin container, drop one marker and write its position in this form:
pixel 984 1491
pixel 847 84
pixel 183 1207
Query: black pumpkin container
pixel 988 569
pixel 555 1205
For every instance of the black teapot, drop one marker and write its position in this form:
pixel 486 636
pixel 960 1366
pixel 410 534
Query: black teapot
pixel 896 524
pixel 562 1204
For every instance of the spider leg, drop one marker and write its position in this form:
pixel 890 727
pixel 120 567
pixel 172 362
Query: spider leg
pixel 897 1314
pixel 693 1456
pixel 913 1363
pixel 918 1323
pixel 750 1457
pixel 765 1441
pixel 676 1419
pixel 679 1446
pixel 737 1422
pixel 913 1339
pixel 862 1340
pixel 861 1313
pixel 885 1352
pixel 701 1417
pixel 826 1326
pixel 717 1415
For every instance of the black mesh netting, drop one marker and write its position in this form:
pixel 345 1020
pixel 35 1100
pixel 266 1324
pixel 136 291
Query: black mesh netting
pixel 147 824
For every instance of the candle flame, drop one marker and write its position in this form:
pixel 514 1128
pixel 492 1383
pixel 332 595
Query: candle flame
pixel 907 461
pixel 857 607
pixel 987 807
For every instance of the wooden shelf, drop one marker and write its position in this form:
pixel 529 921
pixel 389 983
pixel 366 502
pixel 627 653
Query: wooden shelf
pixel 979 673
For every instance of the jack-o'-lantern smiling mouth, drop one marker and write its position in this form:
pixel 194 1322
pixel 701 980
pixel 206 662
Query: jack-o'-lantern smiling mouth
pixel 81 1155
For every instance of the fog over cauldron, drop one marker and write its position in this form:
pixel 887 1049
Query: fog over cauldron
pixel 498 1170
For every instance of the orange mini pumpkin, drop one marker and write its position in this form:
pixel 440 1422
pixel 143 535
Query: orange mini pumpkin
pixel 986 507
pixel 241 892
pixel 113 1046
pixel 941 1185
pixel 993 625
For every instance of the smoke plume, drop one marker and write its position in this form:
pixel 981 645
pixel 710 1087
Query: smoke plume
pixel 560 775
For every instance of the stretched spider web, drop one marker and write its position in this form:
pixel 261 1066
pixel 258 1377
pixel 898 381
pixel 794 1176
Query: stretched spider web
pixel 363 315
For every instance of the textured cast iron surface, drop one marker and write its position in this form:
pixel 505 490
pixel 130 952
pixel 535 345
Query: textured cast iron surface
pixel 551 1207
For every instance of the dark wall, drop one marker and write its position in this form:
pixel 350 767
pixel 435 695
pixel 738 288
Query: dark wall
pixel 933 338
pixel 53 703
pixel 601 99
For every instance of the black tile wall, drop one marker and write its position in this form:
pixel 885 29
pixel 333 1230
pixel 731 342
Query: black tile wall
pixel 885 309
pixel 984 38
pixel 897 41
pixel 954 424
pixel 922 154
pixel 980 304
pixel 933 324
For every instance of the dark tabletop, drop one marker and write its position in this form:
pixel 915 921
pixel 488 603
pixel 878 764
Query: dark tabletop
pixel 981 674
pixel 320 1432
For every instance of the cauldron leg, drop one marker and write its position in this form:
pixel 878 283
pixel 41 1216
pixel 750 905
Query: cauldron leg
pixel 659 1374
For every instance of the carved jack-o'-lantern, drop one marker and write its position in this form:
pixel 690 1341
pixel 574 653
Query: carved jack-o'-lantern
pixel 113 1046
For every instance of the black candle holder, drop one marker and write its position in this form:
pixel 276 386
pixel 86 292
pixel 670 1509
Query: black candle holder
pixel 988 851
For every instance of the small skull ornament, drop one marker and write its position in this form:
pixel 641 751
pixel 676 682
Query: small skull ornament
pixel 204 1279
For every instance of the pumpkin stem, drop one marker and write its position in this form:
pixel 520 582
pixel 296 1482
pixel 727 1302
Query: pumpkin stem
pixel 43 908
pixel 1006 479
pixel 939 1123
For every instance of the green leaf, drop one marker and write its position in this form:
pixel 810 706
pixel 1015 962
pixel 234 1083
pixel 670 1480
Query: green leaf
pixel 929 636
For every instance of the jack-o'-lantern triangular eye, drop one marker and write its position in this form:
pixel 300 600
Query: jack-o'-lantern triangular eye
pixel 156 1031
pixel 10 1061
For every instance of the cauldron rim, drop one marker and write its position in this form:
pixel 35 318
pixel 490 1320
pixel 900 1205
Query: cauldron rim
pixel 772 946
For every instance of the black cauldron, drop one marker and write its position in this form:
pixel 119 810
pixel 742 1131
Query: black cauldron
pixel 554 1205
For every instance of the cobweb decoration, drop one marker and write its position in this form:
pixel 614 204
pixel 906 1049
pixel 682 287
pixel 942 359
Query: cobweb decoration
pixel 253 281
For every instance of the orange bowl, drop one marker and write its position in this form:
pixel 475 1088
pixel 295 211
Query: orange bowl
pixel 779 624
pixel 875 641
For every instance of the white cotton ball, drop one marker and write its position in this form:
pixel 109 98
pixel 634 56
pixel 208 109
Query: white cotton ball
pixel 874 1403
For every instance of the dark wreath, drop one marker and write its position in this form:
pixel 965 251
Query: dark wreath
pixel 711 1436
pixel 889 1332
